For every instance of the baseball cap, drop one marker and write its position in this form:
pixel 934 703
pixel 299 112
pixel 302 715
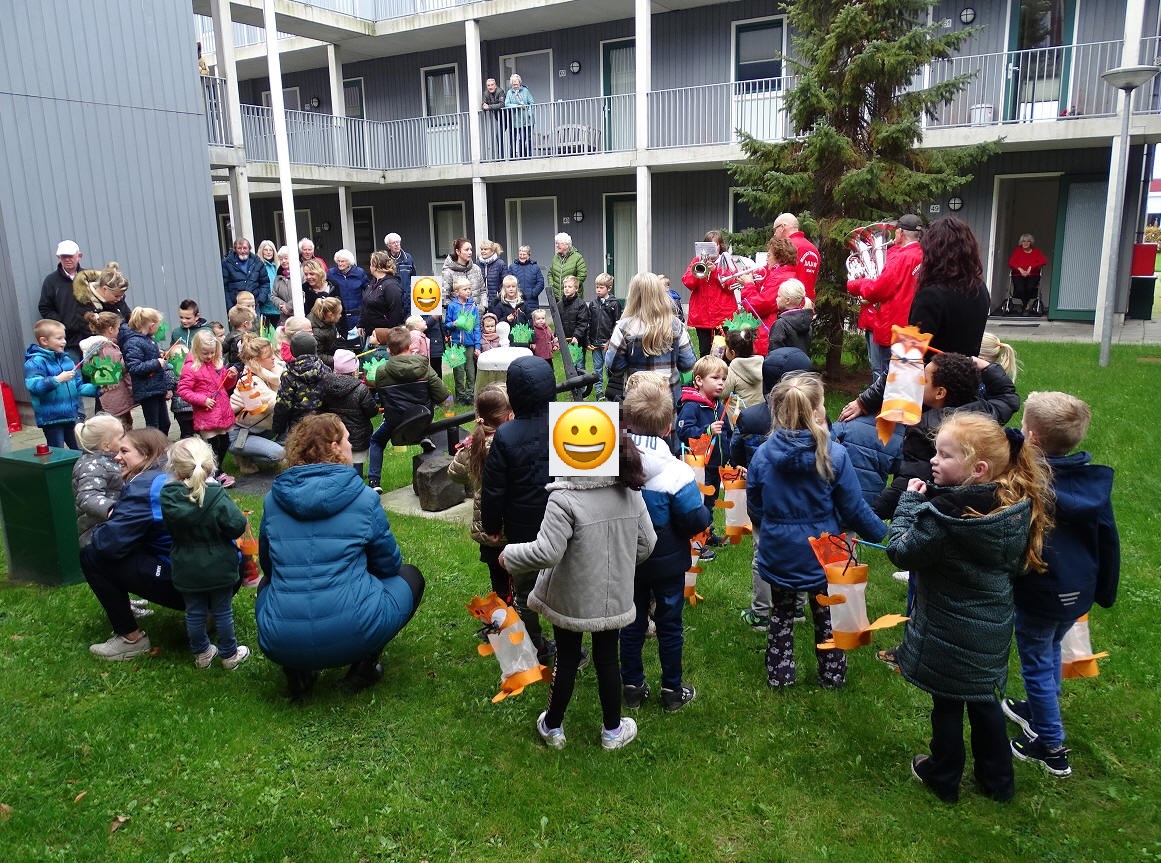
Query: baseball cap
pixel 67 247
pixel 909 222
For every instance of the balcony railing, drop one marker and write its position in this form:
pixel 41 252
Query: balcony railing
pixel 712 113
pixel 214 96
pixel 603 124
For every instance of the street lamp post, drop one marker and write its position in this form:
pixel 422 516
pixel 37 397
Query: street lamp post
pixel 1126 79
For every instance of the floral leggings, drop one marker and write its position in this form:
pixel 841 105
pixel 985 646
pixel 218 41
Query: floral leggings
pixel 780 670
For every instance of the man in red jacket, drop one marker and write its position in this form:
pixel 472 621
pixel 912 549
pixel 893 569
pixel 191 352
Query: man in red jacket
pixel 809 261
pixel 894 289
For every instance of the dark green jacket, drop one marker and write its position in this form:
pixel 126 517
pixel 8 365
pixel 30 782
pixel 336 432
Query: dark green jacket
pixel 957 641
pixel 204 556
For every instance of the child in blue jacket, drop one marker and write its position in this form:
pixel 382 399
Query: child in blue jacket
pixel 463 326
pixel 702 412
pixel 51 378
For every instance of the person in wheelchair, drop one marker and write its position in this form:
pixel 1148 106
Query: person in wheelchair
pixel 1026 263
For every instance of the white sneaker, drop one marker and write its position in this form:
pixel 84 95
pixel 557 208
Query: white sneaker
pixel 231 662
pixel 553 738
pixel 903 576
pixel 140 611
pixel 206 658
pixel 118 648
pixel 621 736
pixel 138 602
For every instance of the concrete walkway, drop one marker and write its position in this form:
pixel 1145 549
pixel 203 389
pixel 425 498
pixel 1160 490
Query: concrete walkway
pixel 1131 332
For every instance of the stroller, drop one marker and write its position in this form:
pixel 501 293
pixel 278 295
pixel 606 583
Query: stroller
pixel 1032 305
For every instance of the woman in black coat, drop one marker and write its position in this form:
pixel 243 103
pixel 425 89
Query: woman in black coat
pixel 951 300
pixel 383 304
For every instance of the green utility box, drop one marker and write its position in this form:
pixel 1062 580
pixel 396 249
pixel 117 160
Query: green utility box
pixel 40 522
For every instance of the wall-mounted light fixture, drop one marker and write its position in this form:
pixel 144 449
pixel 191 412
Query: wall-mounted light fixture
pixel 322 227
pixel 574 67
pixel 578 215
pixel 967 15
pixel 955 204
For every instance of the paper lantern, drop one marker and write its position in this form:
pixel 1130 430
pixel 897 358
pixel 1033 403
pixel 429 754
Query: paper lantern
pixel 903 390
pixel 696 454
pixel 846 594
pixel 1076 656
pixel 696 544
pixel 508 641
pixel 734 503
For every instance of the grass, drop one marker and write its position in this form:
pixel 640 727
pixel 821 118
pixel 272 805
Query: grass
pixel 216 766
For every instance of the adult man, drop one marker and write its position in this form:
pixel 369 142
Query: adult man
pixel 893 290
pixel 404 263
pixel 57 302
pixel 306 251
pixel 494 106
pixel 786 225
pixel 242 271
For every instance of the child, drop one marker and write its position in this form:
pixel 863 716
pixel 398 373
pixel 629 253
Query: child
pixel 300 389
pixel 437 340
pixel 241 319
pixel 345 394
pixel 407 387
pixel 489 338
pixel 246 300
pixel 116 399
pixel 204 523
pixel 467 468
pixel 325 317
pixel 149 373
pixel 604 312
pixel 51 378
pixel 512 490
pixel 744 379
pixel 420 345
pixel 993 350
pixel 801 484
pixel 189 322
pixel 966 538
pixel 792 328
pixel 873 460
pixel 676 511
pixel 702 413
pixel 543 341
pixel 97 474
pixel 595 530
pixel 205 383
pixel 1083 554
pixel 574 317
pixel 218 330
pixel 509 306
pixel 674 298
pixel 463 323
pixel 294 325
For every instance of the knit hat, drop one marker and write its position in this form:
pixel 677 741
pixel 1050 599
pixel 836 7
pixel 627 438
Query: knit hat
pixel 345 362
pixel 302 343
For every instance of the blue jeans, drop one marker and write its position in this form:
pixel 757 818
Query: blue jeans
pixel 1038 642
pixel 599 367
pixel 198 607
pixel 379 439
pixel 669 593
pixel 60 435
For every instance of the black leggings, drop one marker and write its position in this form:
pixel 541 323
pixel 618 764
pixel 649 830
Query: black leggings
pixel 220 444
pixel 705 340
pixel 568 654
pixel 156 413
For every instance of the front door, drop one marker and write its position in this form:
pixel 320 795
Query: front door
pixel 621 241
pixel 1077 264
pixel 1039 42
pixel 531 222
pixel 619 83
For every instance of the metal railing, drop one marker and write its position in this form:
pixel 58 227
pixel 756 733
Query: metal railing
pixel 214 97
pixel 245 35
pixel 574 127
pixel 713 113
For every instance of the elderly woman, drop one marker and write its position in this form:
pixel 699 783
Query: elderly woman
pixel 336 589
pixel 529 277
pixel 518 100
pixel 1026 264
pixel 129 552
pixel 566 262
pixel 251 438
pixel 461 265
pixel 281 295
pixel 951 300
pixel 268 305
pixel 352 280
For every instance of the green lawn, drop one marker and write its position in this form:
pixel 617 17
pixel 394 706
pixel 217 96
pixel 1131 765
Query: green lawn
pixel 215 766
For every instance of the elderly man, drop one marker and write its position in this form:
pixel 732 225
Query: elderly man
pixel 786 225
pixel 306 251
pixel 242 271
pixel 493 106
pixel 566 262
pixel 404 263
pixel 57 302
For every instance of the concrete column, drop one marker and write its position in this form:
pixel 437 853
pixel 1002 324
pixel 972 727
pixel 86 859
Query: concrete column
pixel 643 57
pixel 347 220
pixel 475 87
pixel 241 220
pixel 335 77
pixel 480 228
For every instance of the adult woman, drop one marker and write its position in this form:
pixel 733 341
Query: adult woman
pixel 649 337
pixel 709 303
pixel 761 298
pixel 493 268
pixel 253 404
pixel 566 262
pixel 316 285
pixel 460 265
pixel 102 290
pixel 281 294
pixel 129 552
pixel 1026 263
pixel 336 590
pixel 352 281
pixel 951 300
pixel 529 277
pixel 383 304
pixel 268 307
pixel 518 100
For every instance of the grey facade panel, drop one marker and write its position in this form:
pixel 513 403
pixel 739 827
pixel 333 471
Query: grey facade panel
pixel 111 154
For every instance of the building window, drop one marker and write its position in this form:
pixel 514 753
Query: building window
pixel 441 91
pixel 447 224
pixel 290 99
pixel 353 102
pixel 758 49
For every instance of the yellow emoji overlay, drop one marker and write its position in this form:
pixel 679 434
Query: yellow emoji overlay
pixel 584 437
pixel 425 294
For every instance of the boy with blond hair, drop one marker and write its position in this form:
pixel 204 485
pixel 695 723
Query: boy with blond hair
pixel 54 385
pixel 675 508
pixel 241 319
pixel 604 312
pixel 1083 554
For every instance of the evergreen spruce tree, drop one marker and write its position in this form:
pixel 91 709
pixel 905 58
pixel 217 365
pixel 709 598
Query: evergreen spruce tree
pixel 858 102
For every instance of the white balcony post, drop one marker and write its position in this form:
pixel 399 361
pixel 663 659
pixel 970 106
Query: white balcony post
pixel 475 87
pixel 241 219
pixel 643 59
pixel 282 149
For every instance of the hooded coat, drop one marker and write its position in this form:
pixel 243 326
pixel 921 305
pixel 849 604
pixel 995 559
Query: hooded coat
pixel 453 270
pixel 141 356
pixel 572 263
pixel 197 386
pixel 96 487
pixel 594 532
pixel 530 278
pixel 792 330
pixel 350 399
pixel 753 426
pixel 204 555
pixel 335 595
pixel 54 402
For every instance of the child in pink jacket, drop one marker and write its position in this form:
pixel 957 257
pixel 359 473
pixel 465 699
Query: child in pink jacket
pixel 205 383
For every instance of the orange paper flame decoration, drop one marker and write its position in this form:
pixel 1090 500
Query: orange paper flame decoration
pixel 696 457
pixel 248 546
pixel 508 641
pixel 734 503
pixel 846 594
pixel 691 574
pixel 1076 656
pixel 903 392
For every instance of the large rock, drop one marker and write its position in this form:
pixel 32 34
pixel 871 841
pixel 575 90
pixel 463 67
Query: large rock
pixel 435 490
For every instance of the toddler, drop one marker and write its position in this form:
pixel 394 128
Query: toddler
pixel 420 345
pixel 52 381
pixel 544 343
pixel 206 382
pixel 489 338
pixel 204 524
pixel 345 395
pixel 150 374
pixel 116 399
pixel 744 379
pixel 97 474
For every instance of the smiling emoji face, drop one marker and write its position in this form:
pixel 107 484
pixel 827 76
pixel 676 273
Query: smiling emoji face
pixel 584 437
pixel 425 294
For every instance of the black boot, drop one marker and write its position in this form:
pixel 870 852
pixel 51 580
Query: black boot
pixel 364 673
pixel 301 683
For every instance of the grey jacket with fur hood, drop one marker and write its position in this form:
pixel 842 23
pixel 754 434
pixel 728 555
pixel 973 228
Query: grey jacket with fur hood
pixel 595 531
